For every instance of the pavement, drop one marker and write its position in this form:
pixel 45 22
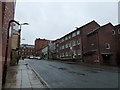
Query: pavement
pixel 22 76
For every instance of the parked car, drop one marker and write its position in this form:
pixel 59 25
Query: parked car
pixel 31 57
pixel 37 57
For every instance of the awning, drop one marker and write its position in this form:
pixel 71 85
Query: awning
pixel 90 52
pixel 106 53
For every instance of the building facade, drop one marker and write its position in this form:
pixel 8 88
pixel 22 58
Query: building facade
pixel 26 50
pixel 72 45
pixel 102 45
pixel 91 43
pixel 7 10
pixel 39 44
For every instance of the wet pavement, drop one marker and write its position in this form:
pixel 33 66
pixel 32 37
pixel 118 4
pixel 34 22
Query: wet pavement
pixel 63 75
pixel 21 76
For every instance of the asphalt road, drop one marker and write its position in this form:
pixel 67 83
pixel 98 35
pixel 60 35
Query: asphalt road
pixel 63 75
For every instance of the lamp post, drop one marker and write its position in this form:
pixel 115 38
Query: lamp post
pixel 20 30
pixel 6 53
pixel 19 37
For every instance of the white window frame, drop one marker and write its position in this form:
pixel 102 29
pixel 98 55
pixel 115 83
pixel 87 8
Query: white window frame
pixel 113 32
pixel 107 46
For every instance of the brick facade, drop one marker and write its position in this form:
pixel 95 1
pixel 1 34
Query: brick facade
pixel 26 50
pixel 7 14
pixel 102 45
pixel 39 44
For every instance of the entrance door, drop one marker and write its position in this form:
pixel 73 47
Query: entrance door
pixel 106 58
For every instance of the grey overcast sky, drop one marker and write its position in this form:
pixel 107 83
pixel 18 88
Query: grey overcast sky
pixel 52 20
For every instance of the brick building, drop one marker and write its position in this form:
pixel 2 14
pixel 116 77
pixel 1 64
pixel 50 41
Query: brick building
pixel 26 50
pixel 91 43
pixel 71 45
pixel 6 14
pixel 117 30
pixel 39 44
pixel 102 45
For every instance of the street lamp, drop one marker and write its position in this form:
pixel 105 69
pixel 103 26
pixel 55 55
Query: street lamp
pixel 6 53
pixel 21 27
pixel 19 37
pixel 23 24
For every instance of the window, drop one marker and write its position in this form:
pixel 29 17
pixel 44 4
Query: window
pixel 63 47
pixel 60 48
pixel 78 32
pixel 74 43
pixel 107 46
pixel 66 45
pixel 113 32
pixel 66 53
pixel 78 42
pixel 69 36
pixel 70 45
pixel 78 52
pixel 57 56
pixel 63 40
pixel 66 38
pixel 62 54
pixel 92 44
pixel 74 52
pixel 74 34
pixel 69 53
pixel 57 45
pixel 118 31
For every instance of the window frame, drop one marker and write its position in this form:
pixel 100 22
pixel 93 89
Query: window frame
pixel 107 46
pixel 113 32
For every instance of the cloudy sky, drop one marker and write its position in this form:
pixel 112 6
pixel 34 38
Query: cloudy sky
pixel 52 20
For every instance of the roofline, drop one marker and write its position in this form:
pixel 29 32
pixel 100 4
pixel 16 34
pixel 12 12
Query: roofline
pixel 79 28
pixel 95 30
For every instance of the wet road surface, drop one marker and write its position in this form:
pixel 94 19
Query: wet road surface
pixel 62 75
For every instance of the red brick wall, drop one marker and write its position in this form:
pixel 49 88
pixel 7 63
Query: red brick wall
pixel 84 31
pixel 8 14
pixel 105 36
pixel 40 43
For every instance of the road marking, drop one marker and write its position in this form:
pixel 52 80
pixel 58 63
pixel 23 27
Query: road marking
pixel 40 77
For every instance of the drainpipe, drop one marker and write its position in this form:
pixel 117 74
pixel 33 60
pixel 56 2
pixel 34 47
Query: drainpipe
pixel 6 53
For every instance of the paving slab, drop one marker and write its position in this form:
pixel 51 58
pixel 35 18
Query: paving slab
pixel 21 76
